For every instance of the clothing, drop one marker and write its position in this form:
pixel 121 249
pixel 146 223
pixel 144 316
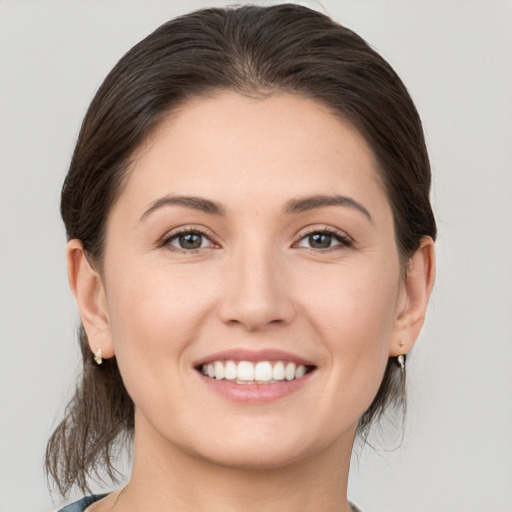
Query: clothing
pixel 81 505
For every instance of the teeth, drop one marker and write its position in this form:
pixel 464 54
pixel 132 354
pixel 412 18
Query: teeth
pixel 278 371
pixel 300 371
pixel 262 372
pixel 218 367
pixel 289 371
pixel 245 370
pixel 230 371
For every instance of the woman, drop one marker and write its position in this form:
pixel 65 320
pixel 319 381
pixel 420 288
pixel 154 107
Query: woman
pixel 251 251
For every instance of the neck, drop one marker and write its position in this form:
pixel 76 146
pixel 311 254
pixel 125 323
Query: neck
pixel 166 477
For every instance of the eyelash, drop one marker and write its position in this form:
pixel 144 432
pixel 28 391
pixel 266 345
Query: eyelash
pixel 344 240
pixel 166 241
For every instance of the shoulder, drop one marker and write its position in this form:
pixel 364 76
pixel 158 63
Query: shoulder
pixel 81 505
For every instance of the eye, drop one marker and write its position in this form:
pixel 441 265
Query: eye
pixel 324 239
pixel 189 240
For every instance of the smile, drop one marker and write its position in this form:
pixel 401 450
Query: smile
pixel 260 372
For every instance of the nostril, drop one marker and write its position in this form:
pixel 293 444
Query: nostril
pixel 256 302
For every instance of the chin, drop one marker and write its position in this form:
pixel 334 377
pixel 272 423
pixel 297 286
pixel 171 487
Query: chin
pixel 255 457
pixel 261 446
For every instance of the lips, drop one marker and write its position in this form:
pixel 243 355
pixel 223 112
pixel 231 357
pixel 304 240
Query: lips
pixel 264 375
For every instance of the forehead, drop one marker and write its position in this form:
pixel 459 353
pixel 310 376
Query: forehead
pixel 231 147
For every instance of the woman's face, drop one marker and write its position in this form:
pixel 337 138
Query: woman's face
pixel 252 231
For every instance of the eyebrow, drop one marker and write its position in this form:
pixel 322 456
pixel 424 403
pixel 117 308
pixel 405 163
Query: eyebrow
pixel 313 202
pixel 196 203
pixel 292 207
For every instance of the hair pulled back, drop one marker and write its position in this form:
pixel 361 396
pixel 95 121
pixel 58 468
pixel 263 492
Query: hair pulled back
pixel 253 51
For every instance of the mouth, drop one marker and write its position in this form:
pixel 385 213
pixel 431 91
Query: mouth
pixel 253 377
pixel 254 372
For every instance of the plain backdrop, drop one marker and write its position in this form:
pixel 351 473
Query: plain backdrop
pixel 456 59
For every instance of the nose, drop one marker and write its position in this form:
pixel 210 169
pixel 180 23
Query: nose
pixel 256 295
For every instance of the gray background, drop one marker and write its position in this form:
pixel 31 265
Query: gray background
pixel 456 59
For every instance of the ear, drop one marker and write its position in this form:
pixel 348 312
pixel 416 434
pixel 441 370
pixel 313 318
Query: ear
pixel 88 289
pixel 416 288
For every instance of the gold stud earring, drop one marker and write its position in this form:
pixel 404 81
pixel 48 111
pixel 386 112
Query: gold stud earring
pixel 97 357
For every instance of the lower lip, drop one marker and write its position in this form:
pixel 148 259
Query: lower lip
pixel 255 393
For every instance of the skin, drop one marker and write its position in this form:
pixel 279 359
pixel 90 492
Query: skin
pixel 256 283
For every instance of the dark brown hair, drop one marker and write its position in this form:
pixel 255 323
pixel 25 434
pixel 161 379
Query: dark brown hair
pixel 253 51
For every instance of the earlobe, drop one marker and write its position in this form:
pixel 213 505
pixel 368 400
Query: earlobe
pixel 87 287
pixel 418 287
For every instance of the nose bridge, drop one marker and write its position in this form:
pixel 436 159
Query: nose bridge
pixel 255 292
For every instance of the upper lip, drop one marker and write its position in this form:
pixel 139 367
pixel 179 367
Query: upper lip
pixel 242 354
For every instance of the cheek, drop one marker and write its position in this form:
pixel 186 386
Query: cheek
pixel 356 332
pixel 354 319
pixel 155 308
pixel 154 316
pixel 354 307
